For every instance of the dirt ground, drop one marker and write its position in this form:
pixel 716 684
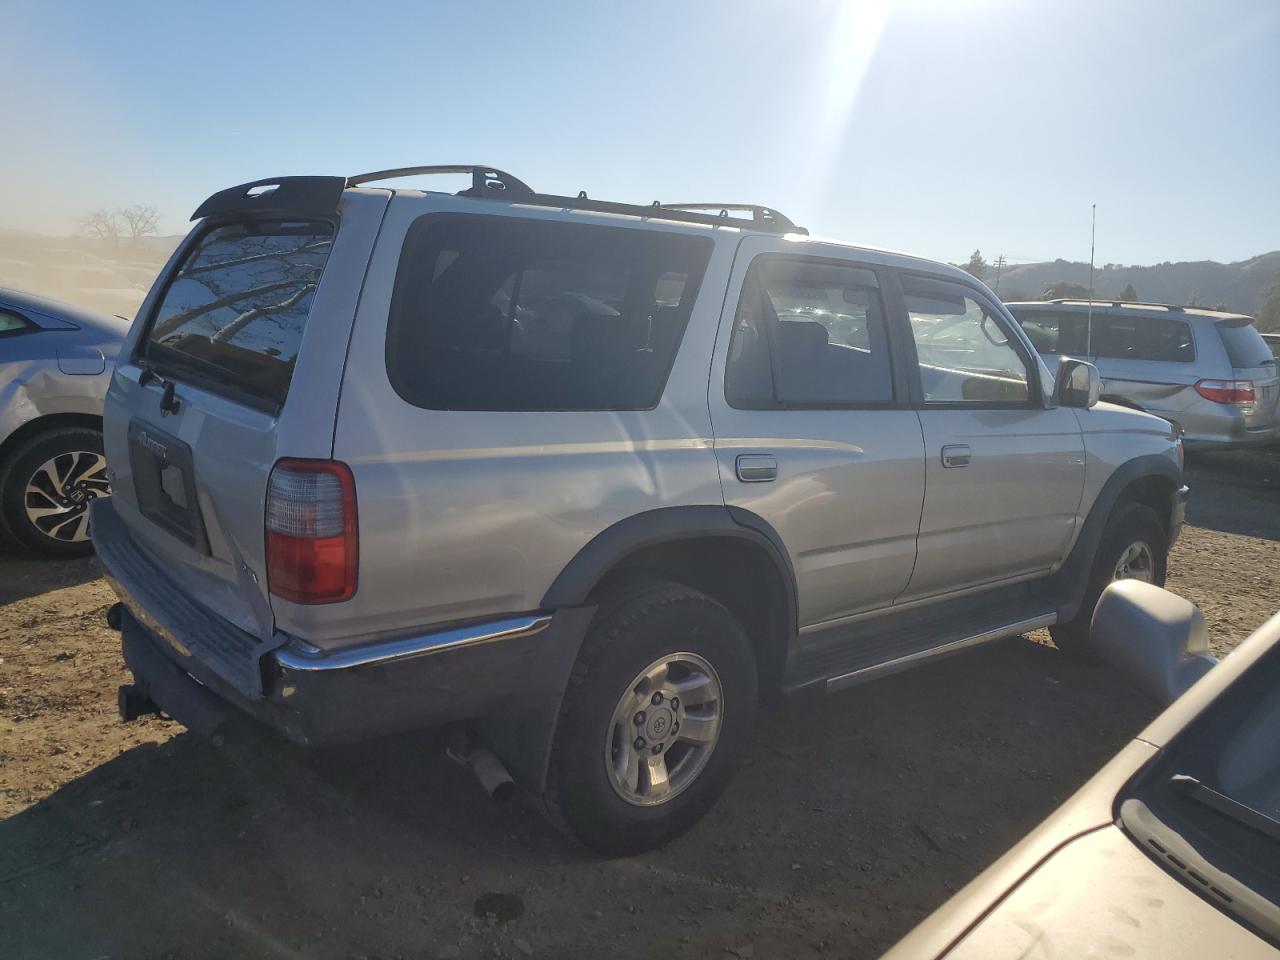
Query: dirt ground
pixel 854 817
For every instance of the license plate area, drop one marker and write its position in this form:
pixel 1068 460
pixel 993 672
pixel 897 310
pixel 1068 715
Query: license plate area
pixel 164 483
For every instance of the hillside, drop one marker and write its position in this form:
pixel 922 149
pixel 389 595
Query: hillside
pixel 1241 286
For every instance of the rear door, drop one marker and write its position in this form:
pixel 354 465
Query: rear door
pixel 1251 359
pixel 814 431
pixel 1004 474
pixel 235 360
pixel 1149 360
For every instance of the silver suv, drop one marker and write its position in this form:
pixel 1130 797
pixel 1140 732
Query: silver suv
pixel 1211 373
pixel 586 480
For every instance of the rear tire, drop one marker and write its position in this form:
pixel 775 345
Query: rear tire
pixel 622 713
pixel 1134 543
pixel 46 487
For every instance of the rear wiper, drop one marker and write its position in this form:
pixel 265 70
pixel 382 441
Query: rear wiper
pixel 1193 789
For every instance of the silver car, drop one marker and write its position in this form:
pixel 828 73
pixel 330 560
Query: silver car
pixel 585 479
pixel 55 362
pixel 1209 372
pixel 1172 851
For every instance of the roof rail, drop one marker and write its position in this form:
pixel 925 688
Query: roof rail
pixel 759 214
pixel 1171 307
pixel 319 196
pixel 485 181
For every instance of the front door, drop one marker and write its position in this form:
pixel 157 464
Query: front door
pixel 813 428
pixel 1004 474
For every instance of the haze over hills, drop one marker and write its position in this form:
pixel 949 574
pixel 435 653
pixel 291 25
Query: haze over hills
pixel 1241 286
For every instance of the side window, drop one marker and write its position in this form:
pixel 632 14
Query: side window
pixel 964 354
pixel 1054 333
pixel 1143 338
pixel 11 322
pixel 500 313
pixel 808 334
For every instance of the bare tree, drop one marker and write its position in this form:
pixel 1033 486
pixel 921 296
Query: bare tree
pixel 102 225
pixel 141 219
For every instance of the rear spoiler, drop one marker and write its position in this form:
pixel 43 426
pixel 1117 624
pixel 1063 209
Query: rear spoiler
pixel 319 196
pixel 281 196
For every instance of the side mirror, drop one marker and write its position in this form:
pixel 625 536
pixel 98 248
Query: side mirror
pixel 1079 384
pixel 1154 638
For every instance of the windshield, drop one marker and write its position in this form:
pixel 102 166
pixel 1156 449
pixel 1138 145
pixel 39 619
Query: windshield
pixel 1212 800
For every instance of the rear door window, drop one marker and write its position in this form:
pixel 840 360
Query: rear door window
pixel 497 313
pixel 1244 345
pixel 1143 338
pixel 809 334
pixel 233 316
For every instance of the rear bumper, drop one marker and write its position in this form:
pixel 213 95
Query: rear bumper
pixel 1230 432
pixel 482 671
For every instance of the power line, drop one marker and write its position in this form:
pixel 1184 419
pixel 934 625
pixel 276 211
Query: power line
pixel 1000 264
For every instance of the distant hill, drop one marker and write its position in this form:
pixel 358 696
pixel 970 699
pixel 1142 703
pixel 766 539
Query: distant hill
pixel 1240 286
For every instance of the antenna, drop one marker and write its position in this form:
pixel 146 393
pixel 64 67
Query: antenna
pixel 1088 330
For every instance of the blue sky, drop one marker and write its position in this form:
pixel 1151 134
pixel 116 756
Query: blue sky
pixel 932 126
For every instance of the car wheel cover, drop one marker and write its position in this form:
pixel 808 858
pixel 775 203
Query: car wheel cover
pixel 1137 562
pixel 58 493
pixel 664 729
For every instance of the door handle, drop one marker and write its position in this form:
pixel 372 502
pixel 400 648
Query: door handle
pixel 757 467
pixel 956 455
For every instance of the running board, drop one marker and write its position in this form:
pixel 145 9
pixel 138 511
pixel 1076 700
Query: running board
pixel 901 663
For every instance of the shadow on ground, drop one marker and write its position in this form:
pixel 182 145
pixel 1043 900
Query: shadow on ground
pixel 1235 492
pixel 26 575
pixel 854 816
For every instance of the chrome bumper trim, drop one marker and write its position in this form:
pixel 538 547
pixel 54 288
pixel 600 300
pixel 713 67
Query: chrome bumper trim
pixel 305 658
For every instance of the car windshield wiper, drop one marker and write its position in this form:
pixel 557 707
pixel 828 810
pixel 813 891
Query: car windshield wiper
pixel 1246 816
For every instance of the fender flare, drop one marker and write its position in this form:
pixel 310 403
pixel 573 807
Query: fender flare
pixel 613 545
pixel 1067 586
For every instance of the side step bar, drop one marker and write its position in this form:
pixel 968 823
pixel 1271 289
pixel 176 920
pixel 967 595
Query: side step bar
pixel 901 663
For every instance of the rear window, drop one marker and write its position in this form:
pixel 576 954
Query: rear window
pixel 1054 332
pixel 495 313
pixel 234 315
pixel 1244 344
pixel 1143 338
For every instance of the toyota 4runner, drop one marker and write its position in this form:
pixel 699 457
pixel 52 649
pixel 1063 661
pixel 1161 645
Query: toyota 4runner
pixel 586 480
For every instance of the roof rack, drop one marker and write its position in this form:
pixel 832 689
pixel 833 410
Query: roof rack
pixel 1171 307
pixel 759 214
pixel 319 196
pixel 485 181
pixel 495 184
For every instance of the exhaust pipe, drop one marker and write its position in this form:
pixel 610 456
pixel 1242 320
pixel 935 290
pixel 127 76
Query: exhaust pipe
pixel 484 763
pixel 492 775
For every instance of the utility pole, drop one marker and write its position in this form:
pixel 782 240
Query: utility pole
pixel 1000 262
pixel 1093 239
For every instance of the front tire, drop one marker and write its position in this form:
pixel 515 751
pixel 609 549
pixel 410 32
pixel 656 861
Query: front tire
pixel 46 488
pixel 1134 545
pixel 657 710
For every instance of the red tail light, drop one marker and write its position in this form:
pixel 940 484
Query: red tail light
pixel 1226 391
pixel 312 550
